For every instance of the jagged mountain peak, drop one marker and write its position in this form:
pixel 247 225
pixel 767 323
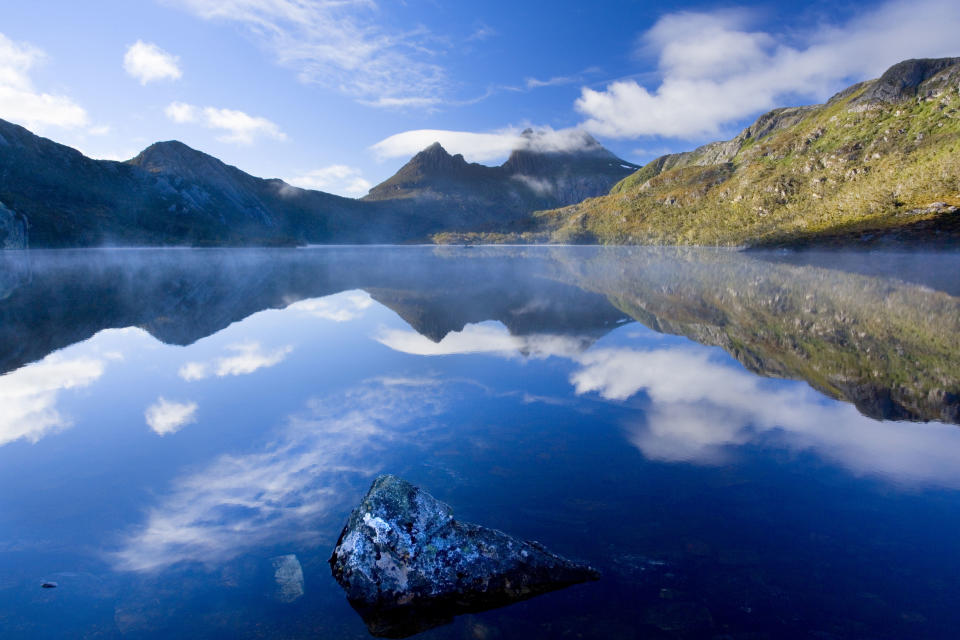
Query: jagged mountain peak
pixel 902 81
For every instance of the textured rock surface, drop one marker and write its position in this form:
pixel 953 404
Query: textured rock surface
pixel 13 229
pixel 407 565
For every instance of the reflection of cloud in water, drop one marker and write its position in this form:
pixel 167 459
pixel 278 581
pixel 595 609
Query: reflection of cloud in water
pixel 28 396
pixel 484 337
pixel 341 307
pixel 165 416
pixel 282 493
pixel 699 407
pixel 247 357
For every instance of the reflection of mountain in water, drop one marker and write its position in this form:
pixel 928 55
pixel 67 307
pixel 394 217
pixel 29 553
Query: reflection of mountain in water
pixel 55 299
pixel 887 346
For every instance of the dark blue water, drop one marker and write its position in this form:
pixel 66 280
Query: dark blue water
pixel 747 446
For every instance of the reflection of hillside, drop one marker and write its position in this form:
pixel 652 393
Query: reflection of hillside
pixel 889 347
pixel 51 300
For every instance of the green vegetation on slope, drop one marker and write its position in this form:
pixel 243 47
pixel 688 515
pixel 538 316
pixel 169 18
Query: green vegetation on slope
pixel 879 157
pixel 887 346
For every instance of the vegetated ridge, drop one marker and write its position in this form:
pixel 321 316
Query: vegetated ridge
pixel 878 161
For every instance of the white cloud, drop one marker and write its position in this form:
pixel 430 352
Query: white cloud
pixel 699 409
pixel 289 491
pixel 338 45
pixel 338 178
pixel 250 357
pixel 342 307
pixel 247 358
pixel 240 127
pixel 181 112
pixel 165 416
pixel 485 337
pixel 715 70
pixel 20 102
pixel 482 147
pixel 147 62
pixel 193 371
pixel 28 396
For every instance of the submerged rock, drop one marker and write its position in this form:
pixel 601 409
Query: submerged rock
pixel 407 565
pixel 288 574
pixel 13 229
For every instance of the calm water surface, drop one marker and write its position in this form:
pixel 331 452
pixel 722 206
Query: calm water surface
pixel 746 445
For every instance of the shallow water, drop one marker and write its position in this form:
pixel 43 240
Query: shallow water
pixel 746 445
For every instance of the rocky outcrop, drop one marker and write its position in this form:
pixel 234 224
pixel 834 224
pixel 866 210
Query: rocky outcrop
pixel 904 80
pixel 407 565
pixel 13 229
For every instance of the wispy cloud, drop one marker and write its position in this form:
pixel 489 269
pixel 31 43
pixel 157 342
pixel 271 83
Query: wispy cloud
pixel 147 62
pixel 481 32
pixel 287 491
pixel 559 81
pixel 338 44
pixel 166 417
pixel 338 178
pixel 21 102
pixel 715 69
pixel 482 147
pixel 28 396
pixel 245 358
pixel 240 127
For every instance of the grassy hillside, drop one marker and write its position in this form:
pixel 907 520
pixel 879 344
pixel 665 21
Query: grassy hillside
pixel 880 158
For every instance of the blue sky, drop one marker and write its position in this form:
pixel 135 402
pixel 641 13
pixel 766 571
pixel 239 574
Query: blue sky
pixel 337 94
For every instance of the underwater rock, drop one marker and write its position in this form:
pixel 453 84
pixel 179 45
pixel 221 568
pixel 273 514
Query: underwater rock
pixel 406 565
pixel 288 574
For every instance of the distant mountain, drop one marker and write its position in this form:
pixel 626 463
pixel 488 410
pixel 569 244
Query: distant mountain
pixel 169 194
pixel 545 171
pixel 54 196
pixel 878 161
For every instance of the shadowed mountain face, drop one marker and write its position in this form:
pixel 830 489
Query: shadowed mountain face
pixel 475 197
pixel 887 345
pixel 171 194
pixel 50 300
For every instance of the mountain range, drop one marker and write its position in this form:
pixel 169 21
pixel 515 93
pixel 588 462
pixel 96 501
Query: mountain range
pixel 879 161
pixel 54 196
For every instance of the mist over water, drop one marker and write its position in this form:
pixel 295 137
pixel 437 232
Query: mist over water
pixel 745 444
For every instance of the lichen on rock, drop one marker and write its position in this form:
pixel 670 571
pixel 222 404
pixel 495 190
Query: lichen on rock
pixel 407 565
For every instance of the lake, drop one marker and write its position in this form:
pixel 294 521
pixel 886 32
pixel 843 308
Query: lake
pixel 745 444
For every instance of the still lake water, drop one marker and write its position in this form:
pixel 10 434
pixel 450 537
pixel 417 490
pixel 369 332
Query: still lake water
pixel 746 445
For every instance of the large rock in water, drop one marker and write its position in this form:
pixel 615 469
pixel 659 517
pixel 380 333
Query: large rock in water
pixel 407 565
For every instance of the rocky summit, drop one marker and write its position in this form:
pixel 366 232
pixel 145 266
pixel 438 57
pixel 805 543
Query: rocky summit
pixel 407 565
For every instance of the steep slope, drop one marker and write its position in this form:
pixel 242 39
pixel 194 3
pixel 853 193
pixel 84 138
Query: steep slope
pixel 169 194
pixel 879 159
pixel 467 196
